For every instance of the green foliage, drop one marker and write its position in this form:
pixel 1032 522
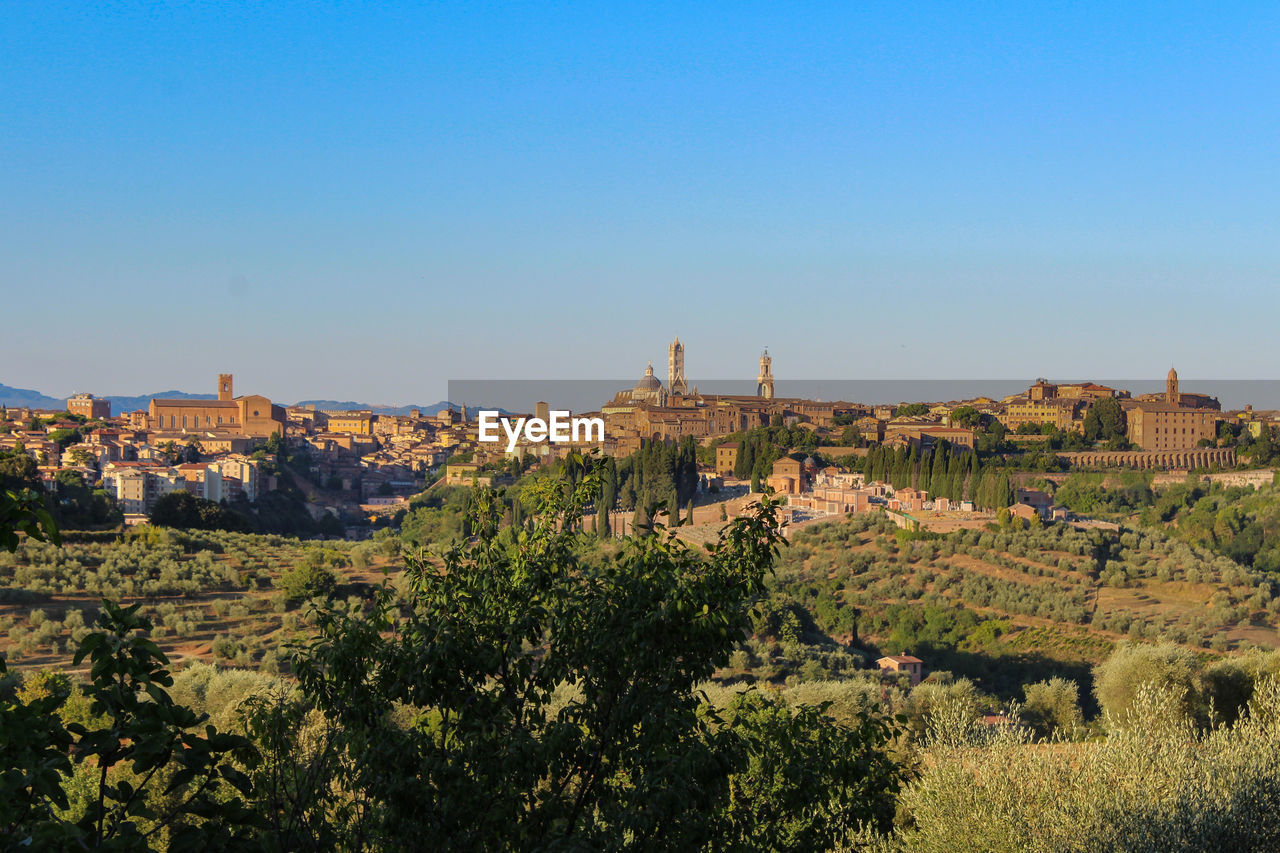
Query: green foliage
pixel 1089 494
pixel 148 771
pixel 1152 785
pixel 1052 707
pixel 1239 522
pixel 80 506
pixel 184 510
pixel 24 512
pixel 659 473
pixel 775 798
pixel 19 472
pixel 551 702
pixel 438 518
pixel 1105 421
pixel 1172 669
pixel 313 576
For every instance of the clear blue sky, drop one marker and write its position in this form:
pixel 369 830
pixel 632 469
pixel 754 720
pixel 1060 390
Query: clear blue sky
pixel 365 200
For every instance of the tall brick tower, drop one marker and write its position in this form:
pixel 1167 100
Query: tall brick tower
pixel 1171 395
pixel 675 368
pixel 224 387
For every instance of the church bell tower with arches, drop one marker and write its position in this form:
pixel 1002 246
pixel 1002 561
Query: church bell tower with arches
pixel 764 382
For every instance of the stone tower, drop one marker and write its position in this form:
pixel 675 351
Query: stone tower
pixel 224 387
pixel 1171 395
pixel 764 382
pixel 675 368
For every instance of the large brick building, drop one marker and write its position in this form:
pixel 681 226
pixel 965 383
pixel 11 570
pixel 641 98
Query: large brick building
pixel 94 408
pixel 1176 421
pixel 1159 426
pixel 356 423
pixel 251 415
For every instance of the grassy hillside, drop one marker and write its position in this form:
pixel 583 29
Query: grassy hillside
pixel 1009 606
pixel 1002 606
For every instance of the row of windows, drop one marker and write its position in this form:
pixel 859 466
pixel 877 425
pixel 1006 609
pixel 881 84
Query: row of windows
pixel 194 421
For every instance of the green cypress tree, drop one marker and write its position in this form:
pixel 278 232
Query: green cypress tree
pixel 938 474
pixel 745 463
pixel 955 479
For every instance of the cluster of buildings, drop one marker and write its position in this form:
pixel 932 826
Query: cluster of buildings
pixel 137 486
pixel 376 454
pixel 814 491
pixel 200 446
pixel 366 462
pixel 1174 420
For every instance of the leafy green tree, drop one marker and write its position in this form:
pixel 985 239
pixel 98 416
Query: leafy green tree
pixel 1105 421
pixel 554 702
pixel 938 480
pixel 1117 680
pixel 312 577
pixel 82 456
pixel 147 770
pixel 773 802
pixel 745 463
pixel 1053 707
pixel 184 510
pixel 608 496
pixel 64 438
pixel 24 512
pixel 18 471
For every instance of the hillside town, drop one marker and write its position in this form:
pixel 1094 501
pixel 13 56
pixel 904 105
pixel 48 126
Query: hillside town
pixel 361 466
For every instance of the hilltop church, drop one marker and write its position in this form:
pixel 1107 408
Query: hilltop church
pixel 652 410
pixel 251 416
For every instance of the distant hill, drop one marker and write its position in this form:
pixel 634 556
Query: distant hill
pixel 344 405
pixel 10 396
pixel 120 405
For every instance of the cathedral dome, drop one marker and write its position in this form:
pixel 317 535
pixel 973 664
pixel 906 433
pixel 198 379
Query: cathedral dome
pixel 648 382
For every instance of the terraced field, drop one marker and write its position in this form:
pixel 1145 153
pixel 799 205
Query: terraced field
pixel 1060 592
pixel 211 596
